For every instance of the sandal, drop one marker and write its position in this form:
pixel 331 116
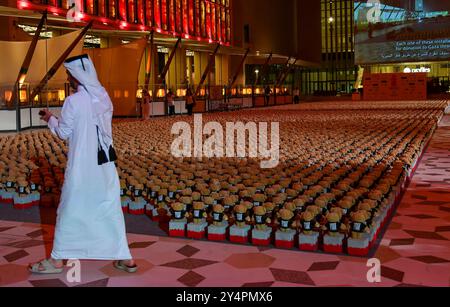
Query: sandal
pixel 48 266
pixel 129 269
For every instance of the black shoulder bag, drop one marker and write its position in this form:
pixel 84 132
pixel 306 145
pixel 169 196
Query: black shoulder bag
pixel 101 154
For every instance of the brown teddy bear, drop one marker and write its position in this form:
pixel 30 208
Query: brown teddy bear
pixel 334 224
pixel 179 211
pixel 285 217
pixel 217 215
pixel 259 199
pixel 308 222
pixel 260 218
pixel 359 224
pixel 198 212
pixel 240 215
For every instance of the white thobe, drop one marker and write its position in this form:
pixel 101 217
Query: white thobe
pixel 90 222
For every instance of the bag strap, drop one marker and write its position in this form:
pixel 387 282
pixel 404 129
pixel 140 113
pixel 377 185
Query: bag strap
pixel 98 140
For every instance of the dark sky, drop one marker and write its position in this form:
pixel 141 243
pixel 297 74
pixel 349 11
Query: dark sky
pixel 430 5
pixel 436 5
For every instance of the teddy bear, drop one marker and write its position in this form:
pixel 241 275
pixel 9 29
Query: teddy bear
pixel 333 225
pixel 346 205
pixel 285 218
pixel 198 212
pixel 308 222
pixel 260 218
pixel 259 199
pixel 317 212
pixel 229 203
pixel 173 188
pixel 35 191
pixel 9 189
pixel 299 205
pixel 217 215
pixel 240 215
pixel 359 224
pixel 138 203
pixel 22 197
pixel 178 211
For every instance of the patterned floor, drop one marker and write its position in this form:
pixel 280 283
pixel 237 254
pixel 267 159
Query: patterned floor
pixel 414 251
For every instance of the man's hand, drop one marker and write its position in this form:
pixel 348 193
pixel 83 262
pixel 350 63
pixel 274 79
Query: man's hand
pixel 45 115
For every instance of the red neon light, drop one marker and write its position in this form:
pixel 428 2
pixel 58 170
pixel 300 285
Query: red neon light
pixel 170 17
pixel 185 17
pixel 141 12
pixel 191 17
pixel 213 22
pixel 157 15
pixel 122 10
pixel 208 20
pixel 164 14
pixel 179 26
pixel 171 6
pixel 23 4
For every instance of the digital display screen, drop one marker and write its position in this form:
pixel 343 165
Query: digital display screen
pixel 394 31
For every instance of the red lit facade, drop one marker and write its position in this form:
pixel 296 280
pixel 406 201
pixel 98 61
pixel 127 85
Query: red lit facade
pixel 208 20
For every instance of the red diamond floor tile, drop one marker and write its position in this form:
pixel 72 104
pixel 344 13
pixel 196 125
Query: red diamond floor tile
pixel 191 279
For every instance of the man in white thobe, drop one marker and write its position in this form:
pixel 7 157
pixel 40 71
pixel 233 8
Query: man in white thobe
pixel 90 223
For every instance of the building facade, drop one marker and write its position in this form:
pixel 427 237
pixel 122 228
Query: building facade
pixel 206 20
pixel 337 72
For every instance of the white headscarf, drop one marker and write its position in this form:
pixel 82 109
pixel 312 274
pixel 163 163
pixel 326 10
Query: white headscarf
pixel 82 68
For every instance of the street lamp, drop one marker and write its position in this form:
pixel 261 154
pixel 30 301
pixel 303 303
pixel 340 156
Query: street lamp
pixel 257 74
pixel 330 22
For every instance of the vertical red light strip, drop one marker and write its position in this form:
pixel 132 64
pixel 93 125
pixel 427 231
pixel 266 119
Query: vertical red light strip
pixel 157 12
pixel 140 4
pixel 185 17
pixel 101 8
pixel 149 13
pixel 131 14
pixel 179 25
pixel 208 20
pixel 219 23
pixel 122 10
pixel 222 24
pixel 199 25
pixel 172 9
pixel 191 17
pixel 164 14
pixel 213 21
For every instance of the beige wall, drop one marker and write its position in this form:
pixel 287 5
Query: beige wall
pixel 271 25
pixel 118 70
pixel 285 27
pixel 177 71
pixel 46 54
